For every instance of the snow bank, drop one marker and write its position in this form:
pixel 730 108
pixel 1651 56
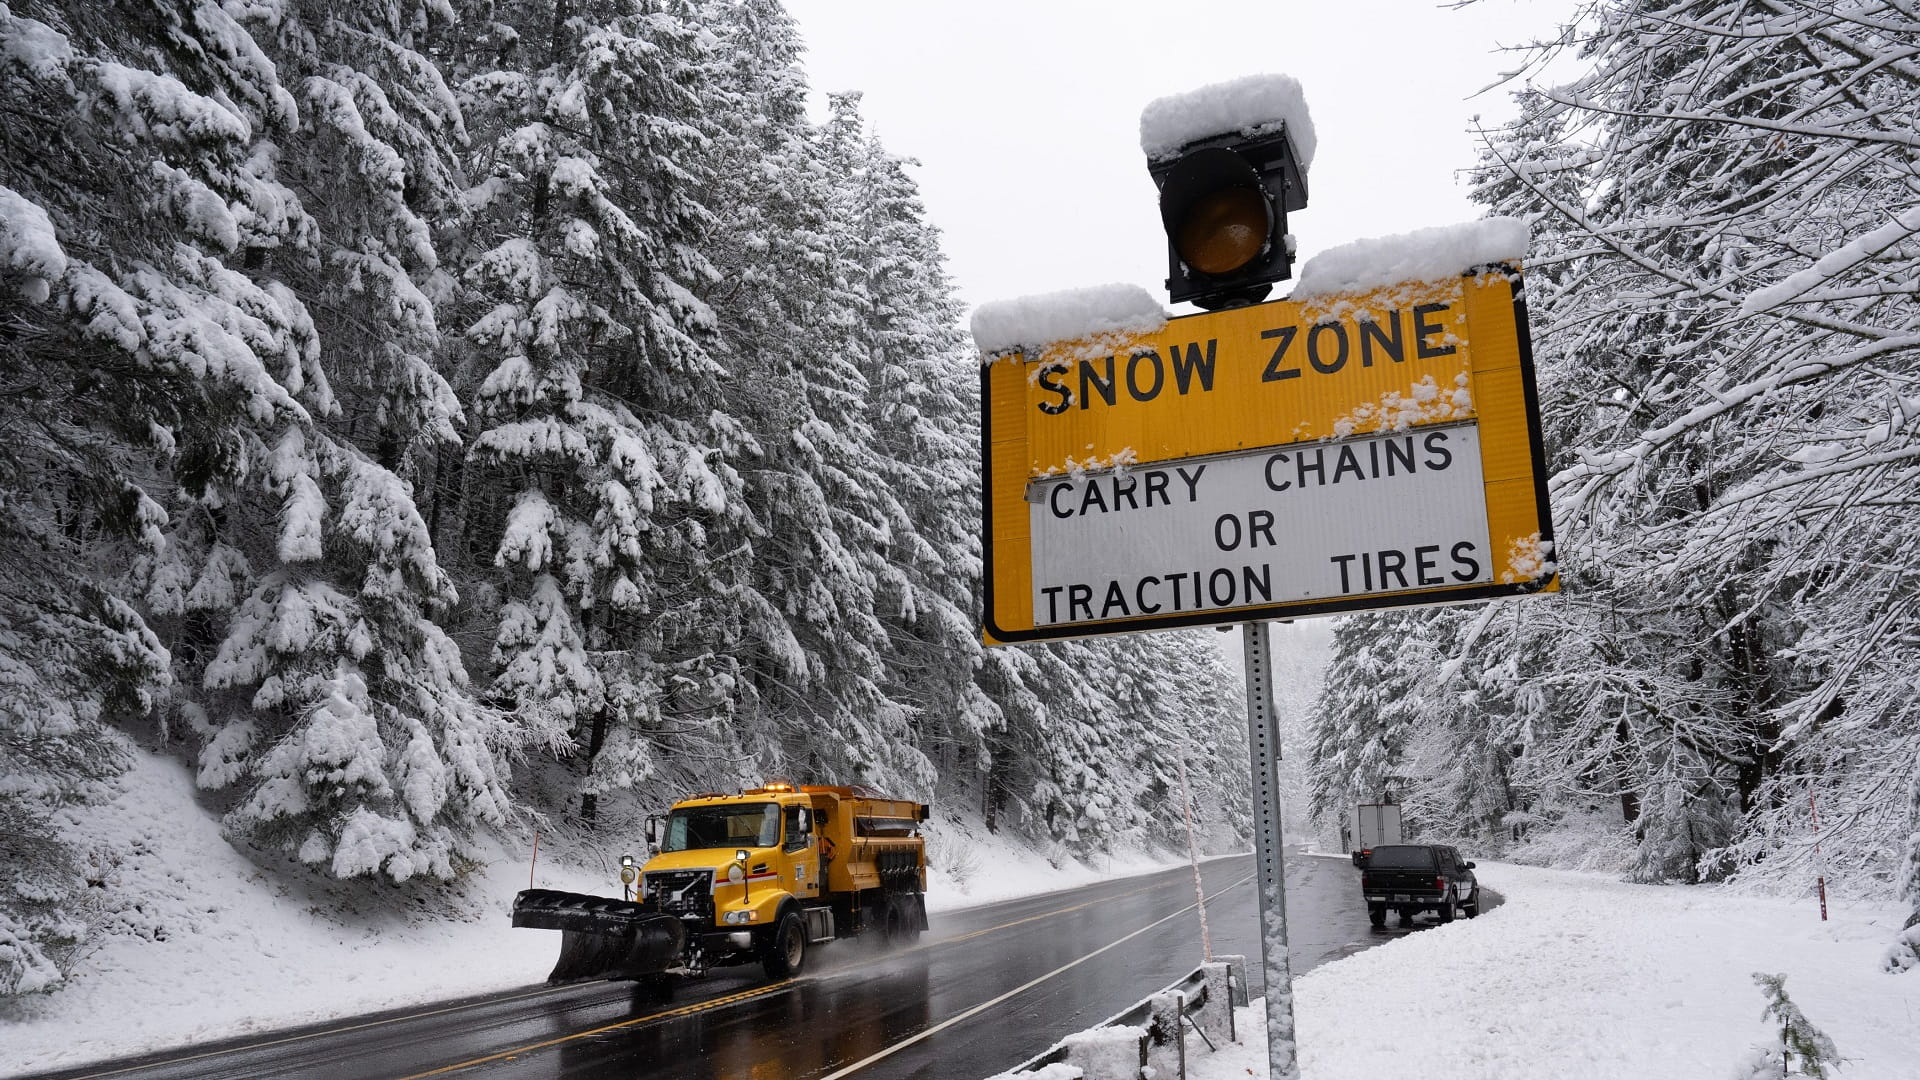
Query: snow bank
pixel 1423 255
pixel 1035 321
pixel 1250 106
pixel 963 871
pixel 195 943
pixel 1580 977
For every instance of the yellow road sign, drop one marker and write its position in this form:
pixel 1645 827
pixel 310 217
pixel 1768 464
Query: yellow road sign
pixel 1288 458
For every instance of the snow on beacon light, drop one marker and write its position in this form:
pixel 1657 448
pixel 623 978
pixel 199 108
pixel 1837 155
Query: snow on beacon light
pixel 1229 160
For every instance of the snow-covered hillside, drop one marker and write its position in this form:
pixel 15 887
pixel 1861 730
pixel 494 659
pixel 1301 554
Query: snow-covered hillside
pixel 1581 977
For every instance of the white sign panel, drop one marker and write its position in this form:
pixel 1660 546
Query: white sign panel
pixel 1404 512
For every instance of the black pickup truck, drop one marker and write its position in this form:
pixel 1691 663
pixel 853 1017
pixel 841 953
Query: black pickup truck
pixel 1410 878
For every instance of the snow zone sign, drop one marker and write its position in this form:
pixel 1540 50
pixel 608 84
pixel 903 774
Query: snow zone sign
pixel 1291 458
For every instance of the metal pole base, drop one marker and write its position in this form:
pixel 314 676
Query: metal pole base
pixel 1263 740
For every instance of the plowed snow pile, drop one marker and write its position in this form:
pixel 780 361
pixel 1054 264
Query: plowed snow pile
pixel 1577 976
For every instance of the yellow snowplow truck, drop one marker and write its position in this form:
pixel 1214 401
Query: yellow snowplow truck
pixel 759 876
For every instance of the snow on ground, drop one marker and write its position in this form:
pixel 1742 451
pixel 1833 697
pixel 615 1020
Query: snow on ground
pixel 955 859
pixel 201 945
pixel 1575 975
pixel 1579 976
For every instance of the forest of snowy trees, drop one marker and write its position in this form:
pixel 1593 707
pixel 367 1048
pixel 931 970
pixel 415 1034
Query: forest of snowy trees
pixel 1724 291
pixel 427 418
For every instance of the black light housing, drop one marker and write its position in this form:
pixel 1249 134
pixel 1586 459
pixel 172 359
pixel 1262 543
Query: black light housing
pixel 1224 203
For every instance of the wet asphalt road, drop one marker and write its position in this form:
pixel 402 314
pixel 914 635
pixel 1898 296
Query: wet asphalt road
pixel 983 990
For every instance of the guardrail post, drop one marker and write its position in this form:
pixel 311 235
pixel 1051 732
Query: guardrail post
pixel 1108 1053
pixel 1216 1016
pixel 1167 1036
pixel 1237 970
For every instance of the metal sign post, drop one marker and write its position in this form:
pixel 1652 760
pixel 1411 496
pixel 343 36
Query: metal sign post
pixel 1263 741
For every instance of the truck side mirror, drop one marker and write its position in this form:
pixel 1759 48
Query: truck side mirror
pixel 653 833
pixel 1469 864
pixel 803 821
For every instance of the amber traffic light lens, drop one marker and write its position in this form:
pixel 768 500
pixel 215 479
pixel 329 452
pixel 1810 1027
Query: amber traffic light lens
pixel 1224 230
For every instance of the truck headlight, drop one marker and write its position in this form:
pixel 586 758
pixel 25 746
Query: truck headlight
pixel 735 918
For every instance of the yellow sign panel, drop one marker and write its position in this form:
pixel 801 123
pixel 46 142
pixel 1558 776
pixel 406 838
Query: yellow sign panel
pixel 1288 458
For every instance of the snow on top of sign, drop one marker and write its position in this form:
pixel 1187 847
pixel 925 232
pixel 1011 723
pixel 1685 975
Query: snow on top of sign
pixel 1422 255
pixel 1030 322
pixel 1247 105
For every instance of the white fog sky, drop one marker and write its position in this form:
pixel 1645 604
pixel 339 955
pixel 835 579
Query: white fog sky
pixel 1024 115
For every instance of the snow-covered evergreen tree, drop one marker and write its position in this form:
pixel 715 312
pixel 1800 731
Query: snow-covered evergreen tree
pixel 133 361
pixel 279 557
pixel 1724 315
pixel 1367 714
pixel 602 459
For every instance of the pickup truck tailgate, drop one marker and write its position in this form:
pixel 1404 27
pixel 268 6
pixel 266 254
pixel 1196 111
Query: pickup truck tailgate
pixel 1399 884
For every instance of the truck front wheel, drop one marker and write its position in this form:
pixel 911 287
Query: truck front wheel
pixel 786 947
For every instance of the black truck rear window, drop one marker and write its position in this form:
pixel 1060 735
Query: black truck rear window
pixel 1402 858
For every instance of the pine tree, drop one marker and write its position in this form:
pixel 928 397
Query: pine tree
pixel 1724 326
pixel 339 710
pixel 1366 714
pixel 580 261
pixel 1800 1049
pixel 135 364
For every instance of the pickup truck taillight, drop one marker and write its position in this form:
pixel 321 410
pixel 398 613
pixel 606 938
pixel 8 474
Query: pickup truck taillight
pixel 1439 884
pixel 1366 881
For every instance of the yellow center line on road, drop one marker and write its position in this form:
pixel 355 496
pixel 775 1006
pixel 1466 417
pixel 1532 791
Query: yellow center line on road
pixel 541 992
pixel 685 1010
pixel 789 984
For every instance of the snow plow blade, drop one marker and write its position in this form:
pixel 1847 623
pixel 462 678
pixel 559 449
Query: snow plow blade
pixel 601 938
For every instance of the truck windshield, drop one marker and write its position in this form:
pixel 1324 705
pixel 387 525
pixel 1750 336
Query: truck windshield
pixel 737 826
pixel 1402 858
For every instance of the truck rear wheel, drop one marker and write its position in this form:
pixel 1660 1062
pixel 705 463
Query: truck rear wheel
pixel 786 947
pixel 1377 915
pixel 1447 908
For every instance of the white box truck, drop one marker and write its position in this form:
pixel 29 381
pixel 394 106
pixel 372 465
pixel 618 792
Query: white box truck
pixel 1374 824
